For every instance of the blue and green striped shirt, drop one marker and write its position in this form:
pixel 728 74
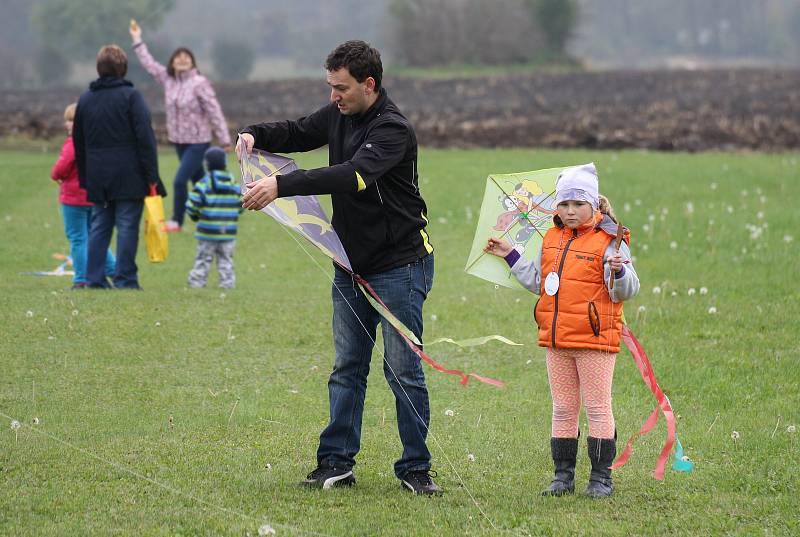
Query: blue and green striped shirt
pixel 215 204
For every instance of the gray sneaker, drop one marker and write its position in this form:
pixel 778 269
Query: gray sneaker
pixel 421 482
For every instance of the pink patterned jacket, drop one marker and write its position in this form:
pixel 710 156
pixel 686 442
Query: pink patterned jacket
pixel 191 104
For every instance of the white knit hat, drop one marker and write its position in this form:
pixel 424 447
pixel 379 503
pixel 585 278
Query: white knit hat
pixel 578 183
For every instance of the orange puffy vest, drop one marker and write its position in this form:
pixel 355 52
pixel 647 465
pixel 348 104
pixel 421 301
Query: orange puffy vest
pixel 581 314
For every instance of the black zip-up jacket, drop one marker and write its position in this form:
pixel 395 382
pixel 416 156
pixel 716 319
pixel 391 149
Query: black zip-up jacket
pixel 378 211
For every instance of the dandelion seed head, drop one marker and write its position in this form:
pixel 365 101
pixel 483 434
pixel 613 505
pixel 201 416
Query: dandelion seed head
pixel 791 429
pixel 268 466
pixel 787 239
pixel 529 362
pixel 463 299
pixel 691 291
pixel 685 458
pixel 642 309
pixel 627 207
pixel 651 217
pixel 265 530
pixel 690 207
pixel 158 323
pixel 729 208
pixel 36 421
pixel 712 310
pixel 645 247
pixel 673 245
pixel 434 317
pixel 656 290
pixel 674 293
pixel 74 312
pixel 222 296
pixel 760 215
pixel 704 290
pixel 29 314
pixel 735 435
pixel 471 457
pixel 263 265
pixel 763 199
pixel 449 413
pixel 15 425
pixel 637 202
pixel 646 228
pixel 518 300
pixel 713 186
pixel 496 286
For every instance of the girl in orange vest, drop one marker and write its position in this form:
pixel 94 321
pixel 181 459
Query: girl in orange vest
pixel 579 314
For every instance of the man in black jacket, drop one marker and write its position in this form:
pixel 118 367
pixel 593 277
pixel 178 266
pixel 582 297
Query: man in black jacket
pixel 380 217
pixel 117 160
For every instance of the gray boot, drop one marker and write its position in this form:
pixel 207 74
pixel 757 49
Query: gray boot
pixel 564 452
pixel 601 453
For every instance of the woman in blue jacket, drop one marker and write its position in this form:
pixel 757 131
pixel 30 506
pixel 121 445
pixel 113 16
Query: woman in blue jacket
pixel 115 150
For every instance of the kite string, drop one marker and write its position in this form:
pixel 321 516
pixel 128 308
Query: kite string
pixel 386 361
pixel 125 469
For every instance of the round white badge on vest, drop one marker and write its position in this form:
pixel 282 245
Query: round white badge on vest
pixel 551 284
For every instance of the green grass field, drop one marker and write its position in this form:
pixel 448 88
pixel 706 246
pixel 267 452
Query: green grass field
pixel 177 412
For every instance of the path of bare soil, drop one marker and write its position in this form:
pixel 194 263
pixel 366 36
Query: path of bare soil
pixel 664 110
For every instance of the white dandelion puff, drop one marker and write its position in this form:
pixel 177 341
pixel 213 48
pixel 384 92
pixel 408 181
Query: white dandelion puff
pixel 691 234
pixel 763 199
pixel 645 247
pixel 713 186
pixel 735 435
pixel 646 228
pixel 641 309
pixel 712 310
pixel 158 323
pixel 36 421
pixel 15 425
pixel 518 300
pixel 29 314
pixel 637 202
pixel 651 217
pixel 791 429
pixel 690 207
pixel 434 317
pixel 665 211
pixel 265 530
pixel 463 299
pixel 787 239
pixel 743 193
pixel 656 290
pixel 496 286
pixel 449 413
pixel 471 457
pixel 674 293
pixel 627 207
pixel 74 312
pixel 729 208
pixel 704 290
pixel 263 265
pixel 268 467
pixel 691 291
pixel 673 245
pixel 744 250
pixel 529 362
pixel 760 215
pixel 222 296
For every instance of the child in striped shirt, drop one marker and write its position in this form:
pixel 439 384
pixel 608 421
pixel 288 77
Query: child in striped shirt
pixel 215 204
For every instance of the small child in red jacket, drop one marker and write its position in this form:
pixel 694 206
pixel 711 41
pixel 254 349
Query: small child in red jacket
pixel 75 208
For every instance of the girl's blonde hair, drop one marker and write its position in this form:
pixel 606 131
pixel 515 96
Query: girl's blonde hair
pixel 69 112
pixel 606 208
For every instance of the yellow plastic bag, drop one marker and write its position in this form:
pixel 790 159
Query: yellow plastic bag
pixel 155 237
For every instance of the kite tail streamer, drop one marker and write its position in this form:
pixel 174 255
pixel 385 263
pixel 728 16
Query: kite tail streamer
pixel 649 377
pixel 415 345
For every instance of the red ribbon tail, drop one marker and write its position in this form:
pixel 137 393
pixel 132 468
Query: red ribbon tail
pixel 419 352
pixel 649 377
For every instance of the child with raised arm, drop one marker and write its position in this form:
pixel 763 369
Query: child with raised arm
pixel 583 277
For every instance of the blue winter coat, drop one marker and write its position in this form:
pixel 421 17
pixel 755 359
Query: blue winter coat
pixel 115 147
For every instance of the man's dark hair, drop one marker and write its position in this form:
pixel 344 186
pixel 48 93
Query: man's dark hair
pixel 360 59
pixel 112 61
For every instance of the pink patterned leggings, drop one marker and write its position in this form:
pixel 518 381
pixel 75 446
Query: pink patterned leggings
pixel 581 375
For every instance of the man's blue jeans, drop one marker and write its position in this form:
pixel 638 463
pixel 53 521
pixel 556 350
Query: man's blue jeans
pixel 403 290
pixel 77 220
pixel 125 215
pixel 190 168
